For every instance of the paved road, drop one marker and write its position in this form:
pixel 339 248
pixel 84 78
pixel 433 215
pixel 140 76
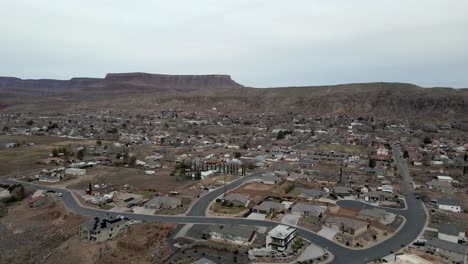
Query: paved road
pixel 415 216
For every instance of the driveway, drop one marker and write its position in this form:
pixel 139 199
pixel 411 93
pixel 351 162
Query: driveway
pixel 327 232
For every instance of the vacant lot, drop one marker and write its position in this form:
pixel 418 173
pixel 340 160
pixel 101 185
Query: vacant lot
pixel 24 158
pixel 119 176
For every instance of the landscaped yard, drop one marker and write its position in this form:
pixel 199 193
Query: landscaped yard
pixel 106 207
pixel 185 201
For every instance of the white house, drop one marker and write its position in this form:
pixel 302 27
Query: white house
pixel 75 171
pixel 451 233
pixel 387 188
pixel 280 237
pixel 449 204
pixel 445 178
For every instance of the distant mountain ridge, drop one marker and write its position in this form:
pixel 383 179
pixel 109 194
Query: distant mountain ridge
pixel 137 91
pixel 139 79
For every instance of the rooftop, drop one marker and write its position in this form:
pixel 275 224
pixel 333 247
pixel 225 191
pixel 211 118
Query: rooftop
pixel 281 231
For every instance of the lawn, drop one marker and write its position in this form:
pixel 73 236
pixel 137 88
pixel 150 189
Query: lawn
pixel 218 208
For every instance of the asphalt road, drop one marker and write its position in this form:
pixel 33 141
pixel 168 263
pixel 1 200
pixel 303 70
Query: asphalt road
pixel 415 216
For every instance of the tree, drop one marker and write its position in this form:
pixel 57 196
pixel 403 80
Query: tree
pixel 5 129
pixel 55 153
pixel 237 155
pixel 466 156
pixel 427 140
pixel 99 142
pixel 80 155
pixel 30 123
pixel 405 154
pixel 280 135
pixel 246 147
pixel 372 163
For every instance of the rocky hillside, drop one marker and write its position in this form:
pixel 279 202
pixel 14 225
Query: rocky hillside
pixel 142 91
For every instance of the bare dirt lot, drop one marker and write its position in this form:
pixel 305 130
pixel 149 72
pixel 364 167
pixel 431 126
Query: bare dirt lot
pixel 161 181
pixel 24 158
pixel 29 235
pixel 144 243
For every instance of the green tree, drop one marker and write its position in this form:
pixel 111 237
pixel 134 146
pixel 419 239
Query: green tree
pixel 280 135
pixel 427 140
pixel 372 163
pixel 237 155
pixel 132 160
pixel 30 123
pixel 80 155
pixel 405 154
pixel 55 153
pixel 246 147
pixel 99 142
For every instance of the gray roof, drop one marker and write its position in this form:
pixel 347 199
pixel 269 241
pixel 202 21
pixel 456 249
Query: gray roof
pixel 378 194
pixel 439 183
pixel 448 201
pixel 442 244
pixel 243 232
pixel 236 197
pixel 449 229
pixel 271 178
pixel 312 192
pixel 266 206
pixel 203 261
pixel 342 189
pixel 314 210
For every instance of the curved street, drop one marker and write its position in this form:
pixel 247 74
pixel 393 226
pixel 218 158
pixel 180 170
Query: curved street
pixel 415 218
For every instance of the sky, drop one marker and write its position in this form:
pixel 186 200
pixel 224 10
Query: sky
pixel 260 43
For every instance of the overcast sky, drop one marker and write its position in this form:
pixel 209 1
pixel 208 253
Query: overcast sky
pixel 259 43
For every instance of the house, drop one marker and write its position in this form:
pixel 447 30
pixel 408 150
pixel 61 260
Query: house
pixel 280 238
pixel 304 209
pixel 376 214
pixel 164 202
pixel 11 145
pixel 453 251
pixel 449 204
pixel 445 178
pixel 441 186
pixel 101 229
pixel 268 207
pixel 237 199
pixel 38 201
pixel 342 191
pixel 387 188
pixel 244 235
pixel 311 193
pixel 451 233
pixel 75 172
pixel 346 225
pixel 375 196
pixel 270 179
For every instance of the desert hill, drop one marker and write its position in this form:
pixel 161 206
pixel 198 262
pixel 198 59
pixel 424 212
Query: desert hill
pixel 146 92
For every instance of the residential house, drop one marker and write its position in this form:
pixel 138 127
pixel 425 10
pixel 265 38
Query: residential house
pixel 101 229
pixel 270 179
pixel 449 204
pixel 342 191
pixel 75 172
pixel 237 199
pixel 164 202
pixel 4 193
pixel 375 196
pixel 376 214
pixel 244 235
pixel 451 233
pixel 346 225
pixel 268 207
pixel 311 193
pixel 387 188
pixel 304 209
pixel 453 251
pixel 280 238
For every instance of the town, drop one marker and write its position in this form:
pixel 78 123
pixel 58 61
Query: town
pixel 173 186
